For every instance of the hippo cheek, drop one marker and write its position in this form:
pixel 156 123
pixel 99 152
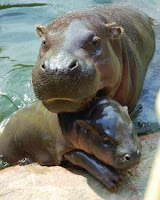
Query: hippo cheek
pixel 108 158
pixel 106 155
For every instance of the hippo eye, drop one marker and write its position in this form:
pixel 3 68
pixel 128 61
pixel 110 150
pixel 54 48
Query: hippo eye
pixel 96 40
pixel 107 141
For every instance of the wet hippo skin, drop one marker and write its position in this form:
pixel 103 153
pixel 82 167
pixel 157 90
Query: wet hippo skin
pixel 101 139
pixel 105 48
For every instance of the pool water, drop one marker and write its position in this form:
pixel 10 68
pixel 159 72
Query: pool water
pixel 19 48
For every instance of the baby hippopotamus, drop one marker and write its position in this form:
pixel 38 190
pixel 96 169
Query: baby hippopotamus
pixel 99 139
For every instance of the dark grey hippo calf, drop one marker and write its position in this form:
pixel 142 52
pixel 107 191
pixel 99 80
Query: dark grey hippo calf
pixel 101 139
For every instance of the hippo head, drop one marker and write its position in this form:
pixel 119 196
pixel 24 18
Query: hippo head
pixel 111 136
pixel 71 65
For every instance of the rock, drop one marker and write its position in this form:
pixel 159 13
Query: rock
pixel 152 190
pixel 34 182
pixel 157 106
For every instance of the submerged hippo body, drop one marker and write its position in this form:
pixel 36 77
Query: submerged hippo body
pixel 94 139
pixel 106 48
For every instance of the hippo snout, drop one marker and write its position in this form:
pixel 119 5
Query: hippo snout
pixel 128 159
pixel 72 65
pixel 64 83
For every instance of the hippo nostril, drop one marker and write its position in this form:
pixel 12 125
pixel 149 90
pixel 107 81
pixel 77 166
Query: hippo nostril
pixel 46 65
pixel 74 64
pixel 43 66
pixel 126 158
pixel 138 153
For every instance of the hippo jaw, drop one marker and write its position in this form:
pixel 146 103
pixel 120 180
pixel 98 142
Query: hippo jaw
pixel 65 105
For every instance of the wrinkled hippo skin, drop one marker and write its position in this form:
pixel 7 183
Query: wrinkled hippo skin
pixel 106 48
pixel 98 139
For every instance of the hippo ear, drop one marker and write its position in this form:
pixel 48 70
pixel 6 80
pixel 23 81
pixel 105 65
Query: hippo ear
pixel 114 31
pixel 83 124
pixel 40 30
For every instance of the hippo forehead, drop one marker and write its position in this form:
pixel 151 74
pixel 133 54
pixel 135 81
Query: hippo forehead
pixel 78 33
pixel 113 121
pixel 73 36
pixel 75 25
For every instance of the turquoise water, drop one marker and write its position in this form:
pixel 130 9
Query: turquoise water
pixel 19 48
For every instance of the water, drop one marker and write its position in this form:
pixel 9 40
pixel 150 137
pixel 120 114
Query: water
pixel 19 48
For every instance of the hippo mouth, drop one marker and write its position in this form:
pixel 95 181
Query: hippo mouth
pixel 65 93
pixel 59 99
pixel 59 105
pixel 125 168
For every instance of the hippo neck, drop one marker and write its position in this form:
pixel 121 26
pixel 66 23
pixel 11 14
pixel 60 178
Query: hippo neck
pixel 75 136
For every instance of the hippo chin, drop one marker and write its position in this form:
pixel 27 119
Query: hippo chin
pixel 100 139
pixel 105 48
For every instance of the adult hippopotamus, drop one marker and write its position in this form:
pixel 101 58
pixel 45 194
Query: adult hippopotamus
pixel 107 48
pixel 95 139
